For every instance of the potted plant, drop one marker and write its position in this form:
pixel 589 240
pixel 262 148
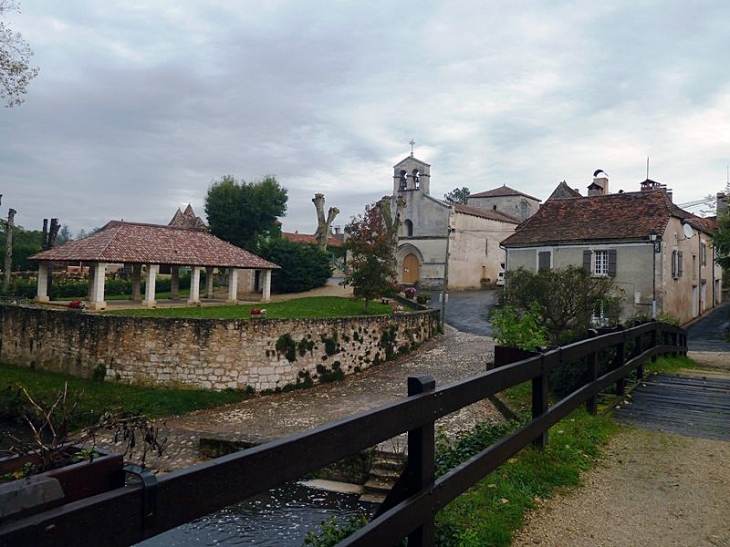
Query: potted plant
pixel 519 335
pixel 410 292
pixel 257 313
pixel 424 298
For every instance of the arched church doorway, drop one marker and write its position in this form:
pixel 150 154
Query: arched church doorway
pixel 410 269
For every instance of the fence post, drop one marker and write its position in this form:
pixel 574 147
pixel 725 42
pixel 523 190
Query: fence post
pixel 654 340
pixel 638 348
pixel 618 361
pixel 540 401
pixel 422 461
pixel 592 362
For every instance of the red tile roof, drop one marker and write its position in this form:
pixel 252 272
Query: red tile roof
pixel 136 243
pixel 502 191
pixel 628 216
pixel 484 213
pixel 336 240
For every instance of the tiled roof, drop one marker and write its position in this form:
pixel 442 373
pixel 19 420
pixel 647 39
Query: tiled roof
pixel 563 191
pixel 336 240
pixel 628 216
pixel 135 243
pixel 484 213
pixel 502 191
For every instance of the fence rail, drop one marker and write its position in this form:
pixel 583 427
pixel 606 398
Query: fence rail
pixel 150 507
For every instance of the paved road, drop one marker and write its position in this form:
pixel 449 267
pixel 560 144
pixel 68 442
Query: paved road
pixel 468 311
pixel 708 334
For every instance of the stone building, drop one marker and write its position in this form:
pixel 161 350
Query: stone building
pixel 469 235
pixel 659 254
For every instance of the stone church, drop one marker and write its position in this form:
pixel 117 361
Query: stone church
pixel 440 241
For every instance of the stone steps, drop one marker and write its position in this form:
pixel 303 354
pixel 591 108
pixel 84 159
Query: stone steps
pixel 386 468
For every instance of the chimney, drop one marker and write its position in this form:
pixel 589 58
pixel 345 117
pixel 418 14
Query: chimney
pixel 337 229
pixel 599 186
pixel 722 205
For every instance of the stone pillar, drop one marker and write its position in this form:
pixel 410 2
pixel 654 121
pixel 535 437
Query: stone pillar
pixel 96 281
pixel 232 285
pixel 175 282
pixel 266 296
pixel 42 293
pixel 194 299
pixel 209 282
pixel 90 292
pixel 137 282
pixel 149 287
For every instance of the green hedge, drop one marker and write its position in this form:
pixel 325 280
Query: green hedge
pixel 77 288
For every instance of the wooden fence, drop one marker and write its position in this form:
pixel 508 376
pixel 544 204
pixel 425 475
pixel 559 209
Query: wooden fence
pixel 151 506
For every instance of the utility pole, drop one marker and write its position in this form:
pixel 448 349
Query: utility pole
pixel 8 250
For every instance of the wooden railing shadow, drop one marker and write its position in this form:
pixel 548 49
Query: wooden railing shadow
pixel 150 507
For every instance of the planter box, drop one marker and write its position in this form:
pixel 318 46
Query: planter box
pixel 29 495
pixel 504 355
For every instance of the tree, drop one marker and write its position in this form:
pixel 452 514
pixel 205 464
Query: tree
pixel 15 53
pixel 24 243
pixel 566 298
pixel 721 240
pixel 323 224
pixel 64 235
pixel 371 269
pixel 303 266
pixel 458 195
pixel 241 212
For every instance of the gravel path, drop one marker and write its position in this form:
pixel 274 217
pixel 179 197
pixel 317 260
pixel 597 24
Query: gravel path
pixel 650 489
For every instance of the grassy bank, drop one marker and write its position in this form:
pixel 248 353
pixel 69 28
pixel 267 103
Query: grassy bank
pixel 99 396
pixel 316 306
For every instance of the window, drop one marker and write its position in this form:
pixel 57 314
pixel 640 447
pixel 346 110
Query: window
pixel 677 266
pixel 694 266
pixel 703 254
pixel 409 228
pixel 486 247
pixel 601 263
pixel 543 260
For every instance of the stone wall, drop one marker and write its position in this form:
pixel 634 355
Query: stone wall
pixel 208 353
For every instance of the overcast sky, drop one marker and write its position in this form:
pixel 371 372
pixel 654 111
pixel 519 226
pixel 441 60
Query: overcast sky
pixel 140 104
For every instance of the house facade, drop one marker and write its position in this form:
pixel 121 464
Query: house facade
pixel 659 255
pixel 444 243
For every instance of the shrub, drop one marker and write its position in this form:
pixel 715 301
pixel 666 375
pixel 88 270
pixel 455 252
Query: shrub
pixel 523 331
pixel 303 266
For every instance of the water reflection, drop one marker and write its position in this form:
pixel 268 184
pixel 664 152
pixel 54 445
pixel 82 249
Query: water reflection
pixel 282 516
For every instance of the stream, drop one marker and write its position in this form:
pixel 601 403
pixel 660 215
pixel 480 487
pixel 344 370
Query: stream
pixel 279 517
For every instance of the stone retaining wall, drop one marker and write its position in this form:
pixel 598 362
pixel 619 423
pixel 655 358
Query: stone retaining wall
pixel 208 353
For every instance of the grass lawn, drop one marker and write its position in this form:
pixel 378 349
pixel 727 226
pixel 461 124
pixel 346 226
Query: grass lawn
pixel 315 306
pixel 99 396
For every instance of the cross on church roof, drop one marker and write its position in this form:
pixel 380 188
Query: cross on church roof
pixel 412 142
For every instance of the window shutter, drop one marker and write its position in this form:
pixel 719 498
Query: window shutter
pixel 587 254
pixel 674 263
pixel 612 262
pixel 680 267
pixel 543 260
